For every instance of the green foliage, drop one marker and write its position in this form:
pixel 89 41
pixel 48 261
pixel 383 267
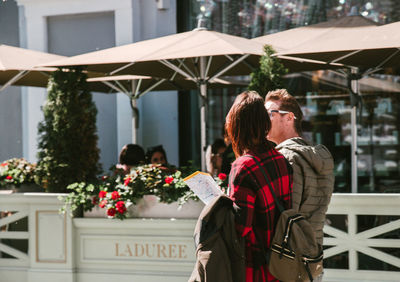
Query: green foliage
pixel 116 192
pixel 16 172
pixel 85 195
pixel 269 76
pixel 81 196
pixel 68 150
pixel 164 182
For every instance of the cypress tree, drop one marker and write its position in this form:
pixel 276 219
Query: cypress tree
pixel 269 75
pixel 68 149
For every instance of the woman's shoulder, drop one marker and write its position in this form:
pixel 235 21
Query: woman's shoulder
pixel 241 167
pixel 243 161
pixel 250 159
pixel 266 154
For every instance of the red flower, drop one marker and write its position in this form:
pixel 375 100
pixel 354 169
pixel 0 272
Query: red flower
pixel 169 179
pixel 9 177
pixel 222 176
pixel 127 180
pixel 95 200
pixel 120 205
pixel 103 204
pixel 111 212
pixel 4 164
pixel 115 195
pixel 102 194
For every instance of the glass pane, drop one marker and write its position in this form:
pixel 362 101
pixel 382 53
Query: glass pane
pixel 252 18
pixel 323 95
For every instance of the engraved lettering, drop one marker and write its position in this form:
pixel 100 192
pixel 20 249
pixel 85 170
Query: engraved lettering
pixel 171 248
pixel 139 252
pixel 151 250
pixel 128 250
pixel 148 252
pixel 182 251
pixel 161 250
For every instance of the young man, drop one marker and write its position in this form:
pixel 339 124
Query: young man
pixel 313 177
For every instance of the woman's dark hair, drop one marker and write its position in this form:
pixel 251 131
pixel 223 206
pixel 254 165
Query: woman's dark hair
pixel 247 123
pixel 132 155
pixel 152 150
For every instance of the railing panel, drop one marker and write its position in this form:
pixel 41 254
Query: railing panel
pixel 363 230
pixel 363 244
pixel 14 234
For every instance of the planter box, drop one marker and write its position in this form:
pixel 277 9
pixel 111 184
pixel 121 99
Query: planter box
pixel 150 207
pixel 23 188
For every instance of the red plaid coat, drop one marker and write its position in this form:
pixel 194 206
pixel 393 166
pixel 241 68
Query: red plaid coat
pixel 258 214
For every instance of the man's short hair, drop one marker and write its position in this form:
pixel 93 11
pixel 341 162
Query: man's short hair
pixel 287 103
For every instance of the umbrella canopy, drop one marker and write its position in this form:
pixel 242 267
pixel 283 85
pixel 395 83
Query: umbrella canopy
pixel 156 57
pixel 137 85
pixel 375 47
pixel 364 49
pixel 199 55
pixel 17 66
pixel 313 36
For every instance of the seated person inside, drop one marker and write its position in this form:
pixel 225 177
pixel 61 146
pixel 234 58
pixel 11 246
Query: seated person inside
pixel 131 155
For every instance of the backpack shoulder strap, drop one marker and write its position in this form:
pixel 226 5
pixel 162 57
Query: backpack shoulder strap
pixel 277 202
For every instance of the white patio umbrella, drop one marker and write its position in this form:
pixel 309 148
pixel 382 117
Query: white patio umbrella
pixel 17 66
pixel 312 35
pixel 198 55
pixel 364 50
pixel 135 86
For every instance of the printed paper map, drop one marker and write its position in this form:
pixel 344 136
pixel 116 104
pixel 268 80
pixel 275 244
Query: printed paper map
pixel 203 185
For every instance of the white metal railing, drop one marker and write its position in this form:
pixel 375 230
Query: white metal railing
pixel 348 206
pixel 10 214
pixel 13 209
pixel 387 207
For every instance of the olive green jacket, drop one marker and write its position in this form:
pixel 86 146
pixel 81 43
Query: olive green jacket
pixel 220 253
pixel 313 180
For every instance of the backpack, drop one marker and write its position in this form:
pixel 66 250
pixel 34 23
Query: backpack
pixel 219 251
pixel 294 254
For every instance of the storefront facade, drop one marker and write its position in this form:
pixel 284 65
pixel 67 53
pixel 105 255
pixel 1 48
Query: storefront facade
pixel 323 95
pixel 44 25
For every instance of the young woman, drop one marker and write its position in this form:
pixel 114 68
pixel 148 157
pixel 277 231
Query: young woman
pixel 247 125
pixel 156 155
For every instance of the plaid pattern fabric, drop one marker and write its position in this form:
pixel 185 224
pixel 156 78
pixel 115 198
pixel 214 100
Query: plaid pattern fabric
pixel 258 214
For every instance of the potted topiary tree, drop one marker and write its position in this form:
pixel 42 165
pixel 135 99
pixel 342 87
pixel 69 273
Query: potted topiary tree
pixel 269 75
pixel 68 149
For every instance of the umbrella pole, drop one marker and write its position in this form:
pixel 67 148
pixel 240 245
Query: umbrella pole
pixel 134 114
pixel 203 112
pixel 354 102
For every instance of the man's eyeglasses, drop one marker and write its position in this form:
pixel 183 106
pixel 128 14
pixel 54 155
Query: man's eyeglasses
pixel 278 111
